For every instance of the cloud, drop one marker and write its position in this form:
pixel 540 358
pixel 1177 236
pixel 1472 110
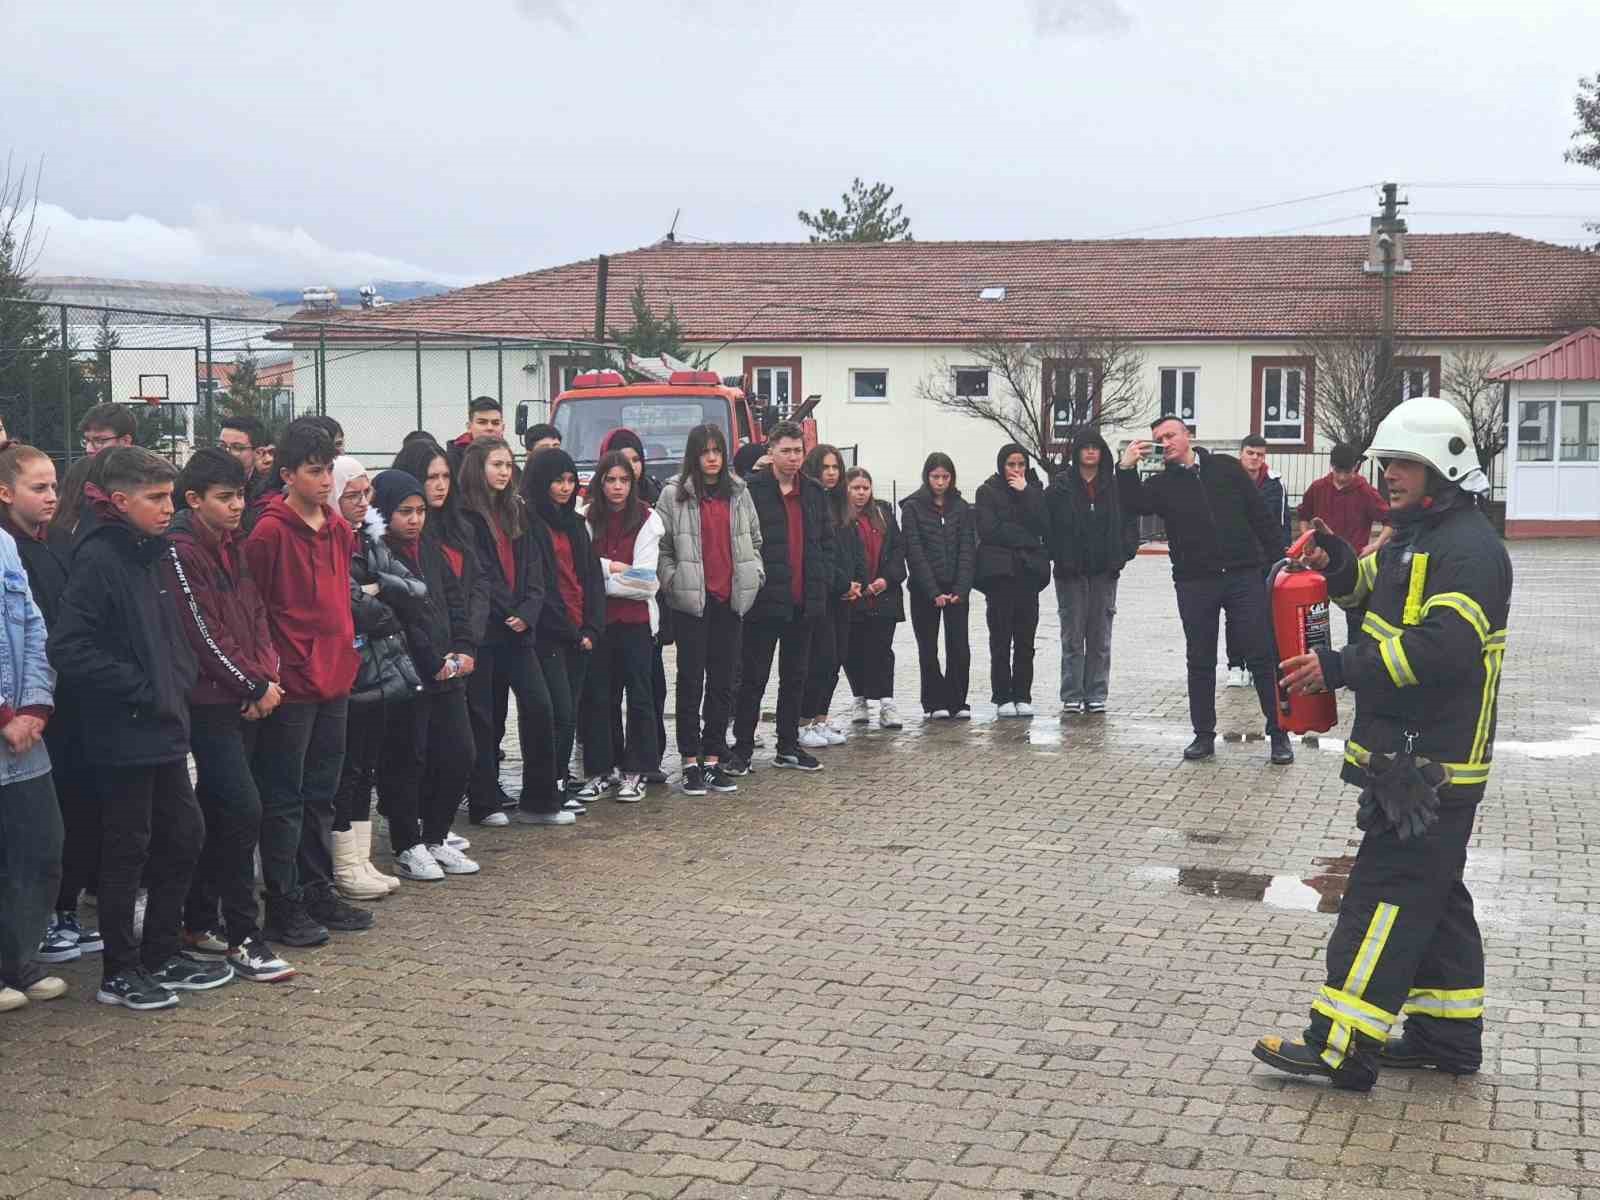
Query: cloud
pixel 213 249
pixel 549 12
pixel 1077 18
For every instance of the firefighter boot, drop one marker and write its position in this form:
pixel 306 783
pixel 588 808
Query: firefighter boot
pixel 1405 1054
pixel 1297 1058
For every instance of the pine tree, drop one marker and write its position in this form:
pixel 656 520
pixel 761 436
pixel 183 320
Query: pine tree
pixel 867 217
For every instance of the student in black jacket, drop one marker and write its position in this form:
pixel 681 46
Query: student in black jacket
pixel 797 532
pixel 1012 566
pixel 428 743
pixel 826 466
pixel 573 615
pixel 941 553
pixel 117 643
pixel 1219 535
pixel 517 591
pixel 880 607
pixel 1092 537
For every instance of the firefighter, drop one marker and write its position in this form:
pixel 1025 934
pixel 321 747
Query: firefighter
pixel 1426 674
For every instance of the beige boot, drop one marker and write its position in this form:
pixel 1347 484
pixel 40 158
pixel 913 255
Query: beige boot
pixel 352 882
pixel 363 832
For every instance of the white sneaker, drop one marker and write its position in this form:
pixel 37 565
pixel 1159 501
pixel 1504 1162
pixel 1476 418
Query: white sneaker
pixel 456 842
pixel 888 715
pixel 939 714
pixel 452 861
pixel 1023 708
pixel 1007 709
pixel 831 736
pixel 416 863
pixel 812 738
pixel 1238 677
pixel 631 791
pixel 859 714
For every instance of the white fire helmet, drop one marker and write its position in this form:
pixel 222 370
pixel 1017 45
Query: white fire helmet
pixel 1433 431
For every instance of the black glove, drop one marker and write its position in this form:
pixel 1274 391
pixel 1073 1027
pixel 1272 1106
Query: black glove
pixel 1404 791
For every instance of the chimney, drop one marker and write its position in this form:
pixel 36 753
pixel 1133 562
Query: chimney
pixel 1397 234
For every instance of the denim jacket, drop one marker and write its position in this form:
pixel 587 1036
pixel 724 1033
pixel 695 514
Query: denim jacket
pixel 26 677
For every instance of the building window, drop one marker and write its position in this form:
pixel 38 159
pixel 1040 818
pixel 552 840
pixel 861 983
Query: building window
pixel 869 387
pixel 1418 376
pixel 1283 408
pixel 972 383
pixel 772 383
pixel 1071 397
pixel 1580 431
pixel 1536 421
pixel 1178 386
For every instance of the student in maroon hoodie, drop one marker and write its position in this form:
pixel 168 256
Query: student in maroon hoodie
pixel 299 555
pixel 221 616
pixel 485 419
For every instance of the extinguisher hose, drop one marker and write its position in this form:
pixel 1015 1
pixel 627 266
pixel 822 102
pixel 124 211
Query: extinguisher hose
pixel 1272 628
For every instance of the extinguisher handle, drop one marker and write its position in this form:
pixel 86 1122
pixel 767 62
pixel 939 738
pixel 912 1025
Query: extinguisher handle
pixel 1300 544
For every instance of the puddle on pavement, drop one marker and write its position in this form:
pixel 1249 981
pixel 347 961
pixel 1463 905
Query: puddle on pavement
pixel 1318 892
pixel 1582 741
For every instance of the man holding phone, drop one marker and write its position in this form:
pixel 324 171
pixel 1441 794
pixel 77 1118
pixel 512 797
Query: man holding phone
pixel 1219 536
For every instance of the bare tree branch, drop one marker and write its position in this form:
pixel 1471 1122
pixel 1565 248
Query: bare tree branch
pixel 1349 387
pixel 1040 393
pixel 1464 377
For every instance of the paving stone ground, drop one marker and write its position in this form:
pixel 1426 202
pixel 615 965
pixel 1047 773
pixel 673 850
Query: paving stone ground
pixel 1005 959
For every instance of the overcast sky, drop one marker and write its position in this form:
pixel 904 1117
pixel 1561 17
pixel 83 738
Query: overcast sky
pixel 294 143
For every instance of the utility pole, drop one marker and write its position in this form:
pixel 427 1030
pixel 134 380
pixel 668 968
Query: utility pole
pixel 602 269
pixel 1390 226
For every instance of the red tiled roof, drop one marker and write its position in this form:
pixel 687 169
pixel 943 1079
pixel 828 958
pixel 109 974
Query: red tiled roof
pixel 1572 358
pixel 1462 285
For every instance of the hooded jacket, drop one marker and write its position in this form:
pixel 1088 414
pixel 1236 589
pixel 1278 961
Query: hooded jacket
pixel 941 543
pixel 1215 518
pixel 220 613
pixel 774 602
pixel 545 519
pixel 681 566
pixel 118 645
pixel 1091 533
pixel 428 602
pixel 890 604
pixel 623 438
pixel 1012 528
pixel 27 682
pixel 303 575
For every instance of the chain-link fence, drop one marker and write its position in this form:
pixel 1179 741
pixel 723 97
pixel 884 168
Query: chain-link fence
pixel 182 374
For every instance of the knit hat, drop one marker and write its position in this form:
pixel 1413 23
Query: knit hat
pixel 744 459
pixel 393 488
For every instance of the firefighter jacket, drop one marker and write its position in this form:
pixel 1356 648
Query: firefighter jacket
pixel 1433 638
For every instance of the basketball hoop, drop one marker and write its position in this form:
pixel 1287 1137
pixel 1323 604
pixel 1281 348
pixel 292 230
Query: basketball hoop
pixel 152 401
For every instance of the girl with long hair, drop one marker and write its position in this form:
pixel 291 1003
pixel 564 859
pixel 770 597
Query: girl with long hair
pixel 710 571
pixel 831 641
pixel 1013 564
pixel 869 662
pixel 627 537
pixel 941 553
pixel 507 664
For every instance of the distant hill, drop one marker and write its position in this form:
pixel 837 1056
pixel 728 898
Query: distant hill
pixel 390 289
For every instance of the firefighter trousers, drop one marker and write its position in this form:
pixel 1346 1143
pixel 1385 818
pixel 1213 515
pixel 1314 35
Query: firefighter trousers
pixel 1406 944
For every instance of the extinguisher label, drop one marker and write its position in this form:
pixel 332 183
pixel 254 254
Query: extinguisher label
pixel 1314 627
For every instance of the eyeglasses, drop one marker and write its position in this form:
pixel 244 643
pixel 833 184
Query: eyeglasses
pixel 99 441
pixel 235 447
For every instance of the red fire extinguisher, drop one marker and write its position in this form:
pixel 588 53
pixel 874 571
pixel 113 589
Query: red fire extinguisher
pixel 1298 601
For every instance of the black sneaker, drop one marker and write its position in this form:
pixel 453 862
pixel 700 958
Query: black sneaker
pixel 796 760
pixel 324 905
pixel 1203 746
pixel 184 972
pixel 1297 1058
pixel 694 780
pixel 658 776
pixel 254 960
pixel 719 780
pixel 89 939
pixel 135 989
pixel 737 764
pixel 289 923
pixel 1282 751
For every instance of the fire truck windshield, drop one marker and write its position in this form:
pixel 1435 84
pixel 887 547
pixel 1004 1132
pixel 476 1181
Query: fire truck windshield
pixel 662 423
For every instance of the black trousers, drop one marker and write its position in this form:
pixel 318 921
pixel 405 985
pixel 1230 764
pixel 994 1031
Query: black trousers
pixel 80 808
pixel 1406 943
pixel 1012 613
pixel 297 755
pixel 30 874
pixel 564 668
pixel 829 645
pixel 869 666
pixel 658 696
pixel 792 641
pixel 1201 602
pixel 942 688
pixel 427 756
pixel 508 664
pixel 151 830
pixel 622 671
pixel 231 805
pixel 708 654
pixel 363 747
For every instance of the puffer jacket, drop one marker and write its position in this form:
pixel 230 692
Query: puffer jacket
pixel 1436 600
pixel 890 604
pixel 1013 528
pixel 436 622
pixel 1091 533
pixel 374 562
pixel 774 601
pixel 27 681
pixel 681 571
pixel 941 544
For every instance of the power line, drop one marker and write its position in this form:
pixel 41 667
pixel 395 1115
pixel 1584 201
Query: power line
pixel 1240 212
